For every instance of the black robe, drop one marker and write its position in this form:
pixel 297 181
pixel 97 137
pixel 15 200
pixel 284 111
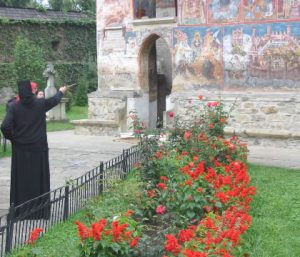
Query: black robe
pixel 25 126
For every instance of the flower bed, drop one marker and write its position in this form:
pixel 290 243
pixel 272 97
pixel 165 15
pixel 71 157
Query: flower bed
pixel 195 196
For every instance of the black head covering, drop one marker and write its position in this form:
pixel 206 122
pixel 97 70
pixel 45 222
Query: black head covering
pixel 25 91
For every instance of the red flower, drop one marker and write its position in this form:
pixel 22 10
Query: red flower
pixel 117 230
pixel 158 155
pixel 171 114
pixel 163 178
pixel 162 186
pixel 187 134
pixel 172 245
pixel 34 235
pixel 83 231
pixel 97 229
pixel 185 235
pixel 200 97
pixel 137 131
pixel 190 253
pixel 222 196
pixel 160 209
pixel 134 242
pixel 222 120
pixel 214 104
pixel 151 193
pixel 129 213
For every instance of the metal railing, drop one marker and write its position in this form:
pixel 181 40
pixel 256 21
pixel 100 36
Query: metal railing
pixel 56 206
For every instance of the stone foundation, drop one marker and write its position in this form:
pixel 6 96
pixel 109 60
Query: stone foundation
pixel 257 118
pixel 96 127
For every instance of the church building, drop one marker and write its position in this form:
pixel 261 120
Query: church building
pixel 157 56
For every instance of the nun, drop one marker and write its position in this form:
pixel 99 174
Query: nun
pixel 25 126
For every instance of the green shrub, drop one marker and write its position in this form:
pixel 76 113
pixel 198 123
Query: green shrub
pixel 29 62
pixel 81 93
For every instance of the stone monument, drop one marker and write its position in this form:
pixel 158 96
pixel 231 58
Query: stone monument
pixel 59 111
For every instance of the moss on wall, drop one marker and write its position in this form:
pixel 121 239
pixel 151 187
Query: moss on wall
pixel 68 45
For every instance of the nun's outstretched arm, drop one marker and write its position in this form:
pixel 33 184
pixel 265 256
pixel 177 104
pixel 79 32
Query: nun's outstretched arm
pixel 55 100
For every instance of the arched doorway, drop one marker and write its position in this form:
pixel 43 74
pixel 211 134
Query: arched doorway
pixel 155 76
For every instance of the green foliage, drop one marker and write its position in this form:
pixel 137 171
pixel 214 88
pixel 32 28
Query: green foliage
pixel 91 75
pixel 81 98
pixel 88 6
pixel 14 3
pixel 7 77
pixel 71 46
pixel 29 62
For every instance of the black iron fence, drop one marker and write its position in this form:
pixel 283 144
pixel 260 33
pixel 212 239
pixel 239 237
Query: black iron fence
pixel 57 205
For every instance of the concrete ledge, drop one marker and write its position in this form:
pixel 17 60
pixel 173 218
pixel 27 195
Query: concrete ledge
pixel 154 21
pixel 100 123
pixel 264 133
pixel 96 127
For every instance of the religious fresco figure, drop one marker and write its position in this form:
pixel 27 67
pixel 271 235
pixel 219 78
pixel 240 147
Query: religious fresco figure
pixel 261 53
pixel 289 9
pixel 183 54
pixel 224 10
pixel 113 13
pixel 259 9
pixel 197 55
pixel 192 11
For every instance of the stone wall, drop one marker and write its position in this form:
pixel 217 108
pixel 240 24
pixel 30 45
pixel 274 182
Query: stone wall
pixel 260 119
pixel 246 52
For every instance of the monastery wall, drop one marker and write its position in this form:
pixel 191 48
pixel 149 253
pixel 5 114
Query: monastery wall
pixel 246 50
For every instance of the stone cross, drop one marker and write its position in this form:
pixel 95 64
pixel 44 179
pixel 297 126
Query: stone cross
pixel 49 73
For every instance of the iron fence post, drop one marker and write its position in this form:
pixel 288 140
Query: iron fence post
pixel 10 228
pixel 66 205
pixel 100 185
pixel 125 156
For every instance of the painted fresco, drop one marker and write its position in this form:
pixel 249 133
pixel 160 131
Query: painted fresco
pixel 289 9
pixel 116 72
pixel 224 10
pixel 262 55
pixel 197 56
pixel 165 8
pixel 259 9
pixel 113 13
pixel 192 11
pixel 164 33
pixel 131 43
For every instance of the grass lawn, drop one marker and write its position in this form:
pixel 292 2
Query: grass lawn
pixel 275 212
pixel 2 111
pixel 62 241
pixel 76 113
pixel 275 231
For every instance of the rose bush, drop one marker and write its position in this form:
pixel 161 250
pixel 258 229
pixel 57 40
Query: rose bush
pixel 195 196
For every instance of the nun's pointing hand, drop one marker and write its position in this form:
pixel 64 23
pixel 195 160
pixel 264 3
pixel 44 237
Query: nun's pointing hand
pixel 63 89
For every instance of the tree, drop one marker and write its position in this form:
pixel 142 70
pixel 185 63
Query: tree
pixel 88 6
pixel 14 3
pixel 29 62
